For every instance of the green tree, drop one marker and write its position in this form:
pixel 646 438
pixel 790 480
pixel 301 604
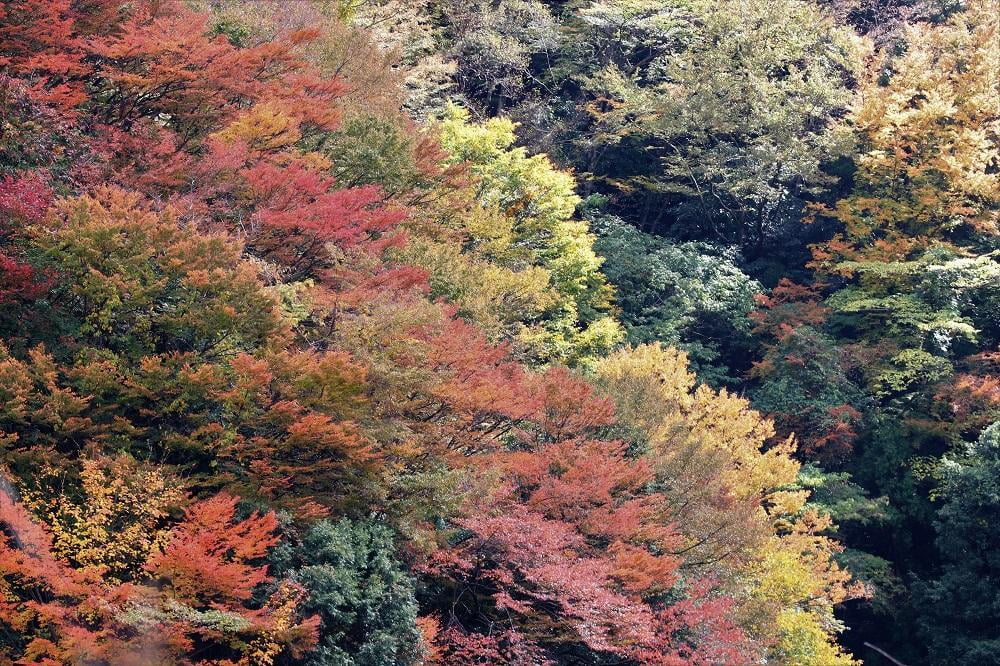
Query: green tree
pixel 362 594
pixel 705 120
pixel 743 117
pixel 960 608
pixel 689 295
pixel 534 224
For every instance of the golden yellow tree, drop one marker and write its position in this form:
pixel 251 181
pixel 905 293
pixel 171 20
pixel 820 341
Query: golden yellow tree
pixel 732 491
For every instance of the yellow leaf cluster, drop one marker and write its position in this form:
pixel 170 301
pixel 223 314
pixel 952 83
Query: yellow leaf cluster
pixel 732 489
pixel 655 391
pixel 264 127
pixel 119 519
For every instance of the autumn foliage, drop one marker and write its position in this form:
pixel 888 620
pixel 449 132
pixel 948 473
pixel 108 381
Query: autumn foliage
pixel 214 342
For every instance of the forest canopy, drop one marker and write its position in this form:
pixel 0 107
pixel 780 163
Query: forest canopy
pixel 530 332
